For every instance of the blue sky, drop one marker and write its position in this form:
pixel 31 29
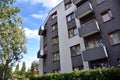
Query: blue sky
pixel 33 13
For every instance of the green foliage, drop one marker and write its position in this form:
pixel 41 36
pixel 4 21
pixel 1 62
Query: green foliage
pixel 35 68
pixel 12 37
pixel 28 74
pixel 96 74
pixel 112 74
pixel 23 69
pixel 9 72
pixel 16 69
pixel 21 73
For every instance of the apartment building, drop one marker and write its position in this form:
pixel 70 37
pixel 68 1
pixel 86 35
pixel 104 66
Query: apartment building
pixel 80 34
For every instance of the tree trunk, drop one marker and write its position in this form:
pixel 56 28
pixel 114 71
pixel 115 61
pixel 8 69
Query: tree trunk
pixel 5 72
pixel 1 74
pixel 5 68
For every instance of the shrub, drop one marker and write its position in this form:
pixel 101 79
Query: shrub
pixel 93 74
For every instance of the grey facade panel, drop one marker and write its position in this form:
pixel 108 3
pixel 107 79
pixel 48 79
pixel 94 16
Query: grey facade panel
pixel 50 68
pixel 71 24
pixel 45 41
pixel 77 61
pixel 53 21
pixel 105 28
pixel 83 10
pixel 88 29
pixel 109 26
pixel 55 48
pixel 56 65
pixel 54 33
pixel 95 54
pixel 49 65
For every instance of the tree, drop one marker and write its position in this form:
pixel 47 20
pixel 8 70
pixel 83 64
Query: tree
pixel 9 72
pixel 23 69
pixel 35 68
pixel 12 37
pixel 28 73
pixel 11 69
pixel 17 69
pixel 16 73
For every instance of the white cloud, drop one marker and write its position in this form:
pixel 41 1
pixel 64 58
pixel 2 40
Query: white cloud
pixel 31 34
pixel 50 3
pixel 39 15
pixel 45 3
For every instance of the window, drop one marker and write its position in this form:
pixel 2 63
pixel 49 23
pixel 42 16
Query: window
pixel 67 5
pixel 54 15
pixel 70 17
pixel 75 50
pixel 94 42
pixel 72 32
pixel 45 72
pixel 99 1
pixel 77 68
pixel 101 63
pixel 54 27
pixel 56 56
pixel 106 15
pixel 56 71
pixel 114 37
pixel 55 40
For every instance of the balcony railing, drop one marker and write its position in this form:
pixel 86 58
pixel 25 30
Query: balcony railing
pixel 71 24
pixel 96 53
pixel 83 10
pixel 42 31
pixel 41 54
pixel 89 29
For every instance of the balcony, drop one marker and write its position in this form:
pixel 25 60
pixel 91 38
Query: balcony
pixel 76 1
pixel 95 53
pixel 40 54
pixel 42 31
pixel 89 29
pixel 77 60
pixel 71 24
pixel 83 10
